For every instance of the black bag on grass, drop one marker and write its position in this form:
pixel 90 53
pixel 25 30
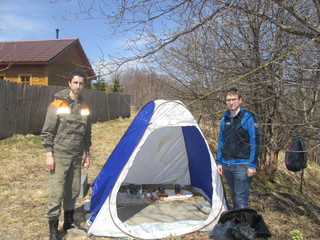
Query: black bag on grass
pixel 231 223
pixel 296 155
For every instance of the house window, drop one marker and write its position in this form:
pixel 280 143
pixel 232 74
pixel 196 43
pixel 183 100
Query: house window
pixel 25 78
pixel 2 76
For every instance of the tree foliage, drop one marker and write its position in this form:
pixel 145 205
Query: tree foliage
pixel 116 87
pixel 99 84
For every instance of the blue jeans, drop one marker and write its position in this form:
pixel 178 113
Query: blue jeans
pixel 238 183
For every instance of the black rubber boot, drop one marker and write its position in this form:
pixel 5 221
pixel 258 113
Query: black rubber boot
pixel 53 225
pixel 69 222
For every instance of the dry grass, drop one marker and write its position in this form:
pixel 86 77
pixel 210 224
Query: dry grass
pixel 24 190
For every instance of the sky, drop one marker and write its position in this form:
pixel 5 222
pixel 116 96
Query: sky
pixel 39 19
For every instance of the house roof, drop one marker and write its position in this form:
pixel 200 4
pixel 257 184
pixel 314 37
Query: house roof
pixel 39 51
pixel 33 50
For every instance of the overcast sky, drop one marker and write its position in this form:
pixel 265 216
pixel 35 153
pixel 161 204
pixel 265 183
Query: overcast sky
pixel 39 19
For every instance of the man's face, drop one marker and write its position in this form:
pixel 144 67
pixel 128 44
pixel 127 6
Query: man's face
pixel 76 85
pixel 233 102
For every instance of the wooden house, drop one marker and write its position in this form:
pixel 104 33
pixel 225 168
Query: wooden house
pixel 43 62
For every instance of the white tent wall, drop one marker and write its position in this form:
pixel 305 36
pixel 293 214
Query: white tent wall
pixel 159 158
pixel 166 167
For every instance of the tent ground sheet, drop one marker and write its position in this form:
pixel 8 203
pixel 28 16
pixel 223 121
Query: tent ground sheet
pixel 163 212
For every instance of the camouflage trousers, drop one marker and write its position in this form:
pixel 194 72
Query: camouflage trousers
pixel 65 183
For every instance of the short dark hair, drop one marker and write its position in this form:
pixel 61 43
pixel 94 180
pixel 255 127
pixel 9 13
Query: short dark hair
pixel 233 91
pixel 77 72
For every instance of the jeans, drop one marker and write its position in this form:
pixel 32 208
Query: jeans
pixel 238 183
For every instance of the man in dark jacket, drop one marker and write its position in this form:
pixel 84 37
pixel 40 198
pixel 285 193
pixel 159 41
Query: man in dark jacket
pixel 238 148
pixel 66 135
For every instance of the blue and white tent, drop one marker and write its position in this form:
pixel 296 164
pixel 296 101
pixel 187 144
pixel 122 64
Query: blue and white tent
pixel 163 145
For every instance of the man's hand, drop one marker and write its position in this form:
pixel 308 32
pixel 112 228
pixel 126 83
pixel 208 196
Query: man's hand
pixel 251 172
pixel 86 162
pixel 219 168
pixel 50 163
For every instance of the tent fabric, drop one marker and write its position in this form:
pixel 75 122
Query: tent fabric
pixel 199 160
pixel 104 182
pixel 163 145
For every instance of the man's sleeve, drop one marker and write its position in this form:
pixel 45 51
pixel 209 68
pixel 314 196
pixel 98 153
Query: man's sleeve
pixel 255 141
pixel 87 136
pixel 49 129
pixel 220 142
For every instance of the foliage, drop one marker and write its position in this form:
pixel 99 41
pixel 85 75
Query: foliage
pixel 99 84
pixel 116 86
pixel 295 235
pixel 261 183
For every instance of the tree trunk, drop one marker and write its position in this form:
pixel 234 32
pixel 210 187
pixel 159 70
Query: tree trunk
pixel 269 168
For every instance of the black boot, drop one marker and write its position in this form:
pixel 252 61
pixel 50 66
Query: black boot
pixel 69 221
pixel 53 224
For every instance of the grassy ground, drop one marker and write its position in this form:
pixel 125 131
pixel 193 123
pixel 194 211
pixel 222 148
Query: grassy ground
pixel 24 190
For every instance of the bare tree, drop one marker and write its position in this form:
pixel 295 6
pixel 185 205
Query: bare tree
pixel 144 85
pixel 268 48
pixel 241 44
pixel 170 20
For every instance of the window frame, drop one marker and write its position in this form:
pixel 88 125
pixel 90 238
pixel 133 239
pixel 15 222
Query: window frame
pixel 25 75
